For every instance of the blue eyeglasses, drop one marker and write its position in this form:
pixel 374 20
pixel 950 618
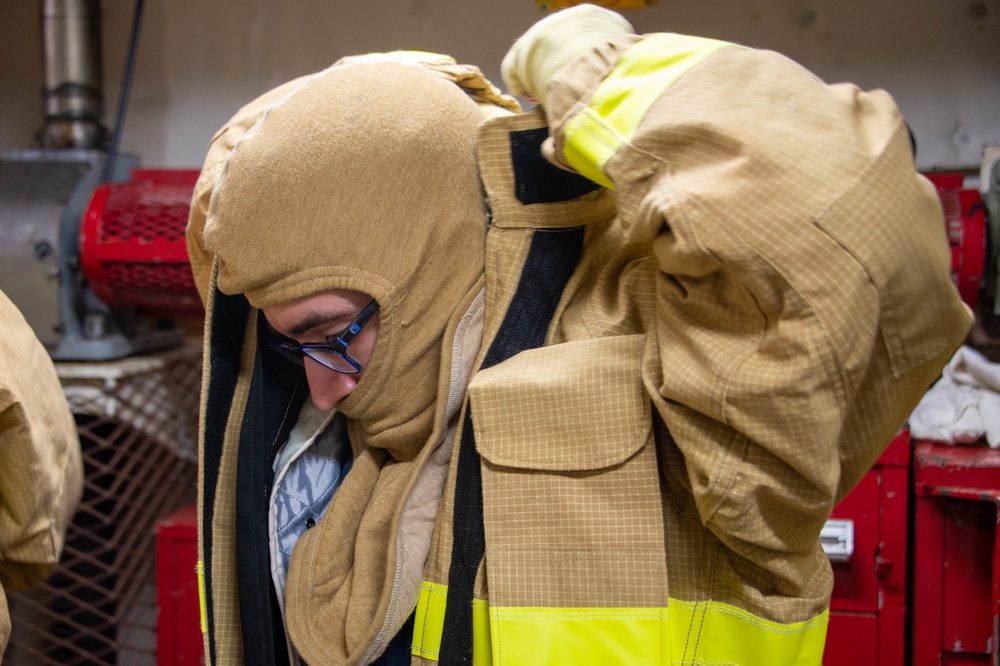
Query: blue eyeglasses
pixel 329 354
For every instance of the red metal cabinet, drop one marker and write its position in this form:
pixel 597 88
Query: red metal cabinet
pixel 178 628
pixel 868 607
pixel 956 556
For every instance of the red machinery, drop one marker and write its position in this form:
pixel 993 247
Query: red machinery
pixel 965 223
pixel 98 269
pixel 133 250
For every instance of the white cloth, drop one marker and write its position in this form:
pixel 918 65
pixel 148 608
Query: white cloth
pixel 308 469
pixel 964 405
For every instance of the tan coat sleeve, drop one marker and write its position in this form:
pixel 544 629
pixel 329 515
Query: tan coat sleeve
pixel 804 300
pixel 41 473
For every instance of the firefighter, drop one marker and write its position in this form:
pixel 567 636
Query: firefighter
pixel 577 385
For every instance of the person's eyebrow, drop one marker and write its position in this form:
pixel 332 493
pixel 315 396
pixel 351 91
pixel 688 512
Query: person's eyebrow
pixel 312 320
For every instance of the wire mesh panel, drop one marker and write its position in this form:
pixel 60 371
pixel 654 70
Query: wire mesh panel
pixel 137 420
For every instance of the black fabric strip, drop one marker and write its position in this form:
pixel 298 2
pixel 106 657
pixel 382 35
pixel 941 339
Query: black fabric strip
pixel 277 391
pixel 536 180
pixel 468 548
pixel 229 318
pixel 552 258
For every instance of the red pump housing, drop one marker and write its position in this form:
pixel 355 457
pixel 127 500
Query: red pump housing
pixel 965 224
pixel 133 249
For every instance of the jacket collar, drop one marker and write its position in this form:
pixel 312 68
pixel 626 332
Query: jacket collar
pixel 523 188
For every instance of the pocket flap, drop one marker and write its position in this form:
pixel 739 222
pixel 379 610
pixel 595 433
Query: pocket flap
pixel 901 245
pixel 573 406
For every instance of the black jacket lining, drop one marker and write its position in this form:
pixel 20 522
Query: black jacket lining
pixel 223 367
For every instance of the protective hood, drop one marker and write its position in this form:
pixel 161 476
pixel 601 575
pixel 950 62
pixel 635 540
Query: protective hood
pixel 361 177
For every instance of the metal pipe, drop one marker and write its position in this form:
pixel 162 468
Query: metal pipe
pixel 74 101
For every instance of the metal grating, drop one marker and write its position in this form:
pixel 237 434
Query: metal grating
pixel 137 420
pixel 146 212
pixel 151 285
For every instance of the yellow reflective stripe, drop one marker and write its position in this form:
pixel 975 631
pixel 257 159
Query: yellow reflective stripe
pixel 199 569
pixel 723 634
pixel 622 100
pixel 429 621
pixel 429 625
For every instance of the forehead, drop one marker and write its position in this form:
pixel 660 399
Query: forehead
pixel 320 309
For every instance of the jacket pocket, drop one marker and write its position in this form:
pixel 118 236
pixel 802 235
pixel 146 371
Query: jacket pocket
pixel 572 505
pixel 577 406
pixel 901 245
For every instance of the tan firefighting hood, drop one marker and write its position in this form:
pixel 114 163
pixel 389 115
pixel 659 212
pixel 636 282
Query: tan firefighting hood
pixel 363 178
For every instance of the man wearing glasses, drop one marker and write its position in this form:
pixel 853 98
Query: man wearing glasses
pixel 323 317
pixel 583 415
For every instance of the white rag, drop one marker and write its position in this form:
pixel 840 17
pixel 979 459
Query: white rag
pixel 964 405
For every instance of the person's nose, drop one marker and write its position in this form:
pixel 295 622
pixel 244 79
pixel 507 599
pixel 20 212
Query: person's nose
pixel 327 387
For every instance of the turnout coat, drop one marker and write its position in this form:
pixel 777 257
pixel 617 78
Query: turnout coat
pixel 41 467
pixel 686 346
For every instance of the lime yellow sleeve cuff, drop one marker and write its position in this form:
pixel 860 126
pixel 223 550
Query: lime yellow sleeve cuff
pixel 644 72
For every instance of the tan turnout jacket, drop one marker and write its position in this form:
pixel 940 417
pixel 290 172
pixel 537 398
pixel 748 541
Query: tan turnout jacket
pixel 41 473
pixel 681 371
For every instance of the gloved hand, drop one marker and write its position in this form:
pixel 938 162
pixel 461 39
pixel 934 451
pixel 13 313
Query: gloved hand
pixel 553 43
